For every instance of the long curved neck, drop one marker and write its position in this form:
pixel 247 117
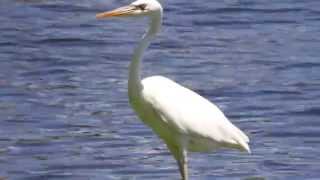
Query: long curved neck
pixel 134 83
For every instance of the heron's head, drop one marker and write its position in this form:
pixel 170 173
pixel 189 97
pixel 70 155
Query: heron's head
pixel 137 8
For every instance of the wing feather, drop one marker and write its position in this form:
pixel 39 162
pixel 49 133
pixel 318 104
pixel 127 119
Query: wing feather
pixel 189 113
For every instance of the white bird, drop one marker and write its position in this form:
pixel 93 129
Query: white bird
pixel 183 119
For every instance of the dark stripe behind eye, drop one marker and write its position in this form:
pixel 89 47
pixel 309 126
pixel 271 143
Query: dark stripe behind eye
pixel 142 6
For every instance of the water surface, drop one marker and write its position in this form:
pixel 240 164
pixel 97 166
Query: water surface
pixel 64 111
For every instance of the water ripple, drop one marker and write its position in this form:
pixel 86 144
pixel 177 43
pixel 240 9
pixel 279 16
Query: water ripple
pixel 64 111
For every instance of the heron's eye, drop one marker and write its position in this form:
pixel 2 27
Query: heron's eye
pixel 142 7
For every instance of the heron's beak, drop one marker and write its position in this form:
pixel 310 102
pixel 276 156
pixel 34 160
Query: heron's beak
pixel 122 11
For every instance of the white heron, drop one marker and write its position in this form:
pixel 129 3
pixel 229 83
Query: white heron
pixel 183 119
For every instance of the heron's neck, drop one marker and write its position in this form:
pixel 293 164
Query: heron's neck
pixel 134 83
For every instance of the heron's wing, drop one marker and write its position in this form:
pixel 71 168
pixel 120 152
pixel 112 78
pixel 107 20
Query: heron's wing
pixel 190 113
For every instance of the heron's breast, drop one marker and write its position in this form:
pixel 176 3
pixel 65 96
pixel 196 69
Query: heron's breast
pixel 151 118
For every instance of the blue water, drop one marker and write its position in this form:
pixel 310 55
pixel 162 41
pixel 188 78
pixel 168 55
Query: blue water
pixel 64 111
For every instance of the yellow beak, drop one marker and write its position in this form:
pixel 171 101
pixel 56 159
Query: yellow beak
pixel 122 11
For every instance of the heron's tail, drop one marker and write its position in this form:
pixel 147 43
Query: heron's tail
pixel 244 146
pixel 240 139
pixel 243 141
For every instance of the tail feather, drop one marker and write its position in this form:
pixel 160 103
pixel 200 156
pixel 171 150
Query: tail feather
pixel 244 145
pixel 242 139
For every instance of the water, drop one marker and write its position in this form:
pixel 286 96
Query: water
pixel 64 111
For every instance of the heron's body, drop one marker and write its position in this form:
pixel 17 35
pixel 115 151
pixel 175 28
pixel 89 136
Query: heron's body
pixel 182 118
pixel 191 119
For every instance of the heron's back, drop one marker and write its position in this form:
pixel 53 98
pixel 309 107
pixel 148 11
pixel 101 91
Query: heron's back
pixel 188 113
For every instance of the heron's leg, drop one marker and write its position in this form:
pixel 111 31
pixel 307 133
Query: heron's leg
pixel 180 164
pixel 180 154
pixel 183 165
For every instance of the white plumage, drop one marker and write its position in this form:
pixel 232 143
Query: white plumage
pixel 191 116
pixel 183 119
